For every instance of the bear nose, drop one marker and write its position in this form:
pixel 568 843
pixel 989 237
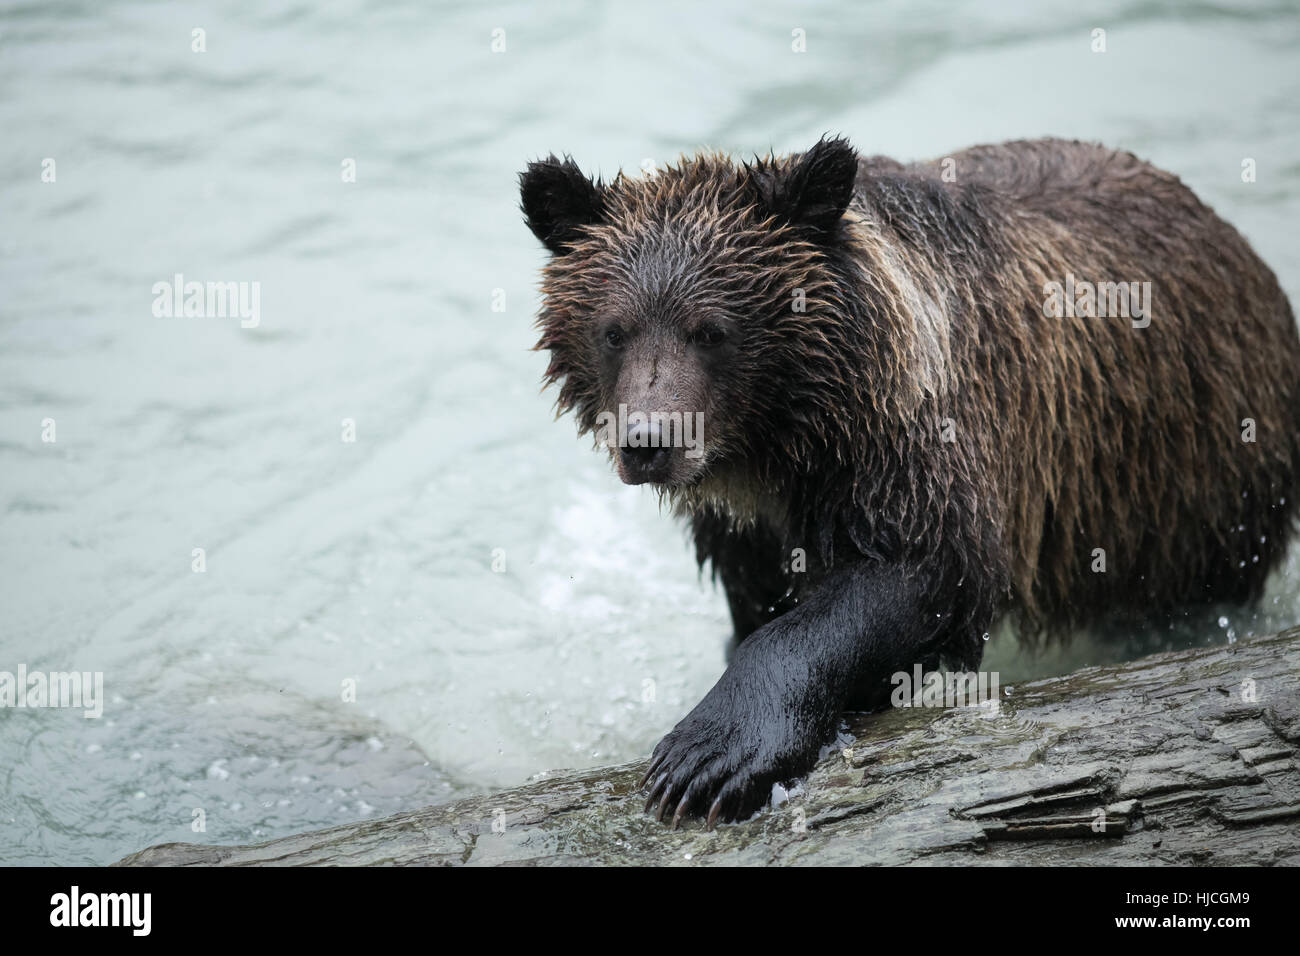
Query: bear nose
pixel 645 453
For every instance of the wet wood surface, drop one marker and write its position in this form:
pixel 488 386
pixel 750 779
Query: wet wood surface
pixel 1181 758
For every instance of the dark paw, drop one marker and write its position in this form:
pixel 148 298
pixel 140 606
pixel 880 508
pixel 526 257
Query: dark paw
pixel 723 767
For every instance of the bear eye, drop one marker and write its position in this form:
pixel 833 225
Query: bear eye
pixel 614 337
pixel 710 335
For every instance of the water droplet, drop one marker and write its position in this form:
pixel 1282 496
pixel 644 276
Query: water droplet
pixel 1223 622
pixel 986 635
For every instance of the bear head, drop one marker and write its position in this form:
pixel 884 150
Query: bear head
pixel 694 316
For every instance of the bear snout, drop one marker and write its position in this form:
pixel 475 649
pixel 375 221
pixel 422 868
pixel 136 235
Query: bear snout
pixel 645 455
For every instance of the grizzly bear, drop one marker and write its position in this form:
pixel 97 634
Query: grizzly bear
pixel 924 396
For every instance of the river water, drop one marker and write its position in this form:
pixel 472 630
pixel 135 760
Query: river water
pixel 348 648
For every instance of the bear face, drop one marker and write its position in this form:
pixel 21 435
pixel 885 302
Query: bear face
pixel 672 303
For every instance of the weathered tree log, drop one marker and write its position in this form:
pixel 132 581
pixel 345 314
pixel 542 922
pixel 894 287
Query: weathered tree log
pixel 1179 758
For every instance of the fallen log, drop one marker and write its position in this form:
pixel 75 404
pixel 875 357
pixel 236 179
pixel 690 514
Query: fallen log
pixel 1177 758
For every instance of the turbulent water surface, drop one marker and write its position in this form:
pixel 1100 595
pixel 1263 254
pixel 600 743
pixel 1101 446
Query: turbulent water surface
pixel 463 595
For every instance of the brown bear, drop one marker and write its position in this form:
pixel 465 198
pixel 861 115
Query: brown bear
pixel 898 401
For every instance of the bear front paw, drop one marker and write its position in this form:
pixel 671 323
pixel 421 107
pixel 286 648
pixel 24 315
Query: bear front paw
pixel 721 768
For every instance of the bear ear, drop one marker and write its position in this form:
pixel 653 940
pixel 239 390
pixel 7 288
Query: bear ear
pixel 556 199
pixel 812 191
